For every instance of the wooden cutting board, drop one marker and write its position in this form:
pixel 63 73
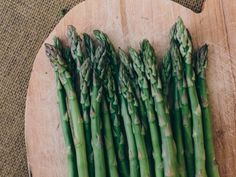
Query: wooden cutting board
pixel 127 22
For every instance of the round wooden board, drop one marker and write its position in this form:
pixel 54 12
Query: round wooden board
pixel 127 22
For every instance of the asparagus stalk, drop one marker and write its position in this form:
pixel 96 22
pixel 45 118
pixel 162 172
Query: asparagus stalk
pixel 64 119
pixel 89 45
pixel 127 92
pixel 76 46
pixel 112 91
pixel 177 119
pixel 165 74
pixel 168 144
pixel 148 101
pixel 85 79
pixel 77 55
pixel 110 148
pixel 177 131
pixel 59 65
pixel 183 38
pixel 168 73
pixel 118 135
pixel 201 64
pixel 184 107
pixel 133 155
pixel 142 109
pixel 96 122
pixel 111 52
pixel 66 54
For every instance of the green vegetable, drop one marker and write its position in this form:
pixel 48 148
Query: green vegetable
pixel 127 92
pixel 184 107
pixel 118 135
pixel 183 38
pixel 95 112
pixel 85 86
pixel 133 155
pixel 201 64
pixel 168 144
pixel 165 74
pixel 142 109
pixel 110 148
pixel 59 65
pixel 177 127
pixel 114 106
pixel 64 120
pixel 148 101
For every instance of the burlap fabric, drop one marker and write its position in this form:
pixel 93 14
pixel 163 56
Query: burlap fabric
pixel 194 5
pixel 24 24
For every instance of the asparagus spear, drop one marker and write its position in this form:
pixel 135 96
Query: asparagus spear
pixel 75 43
pixel 168 73
pixel 184 107
pixel 152 120
pixel 64 119
pixel 177 131
pixel 183 38
pixel 112 90
pixel 110 148
pixel 59 65
pixel 142 109
pixel 118 135
pixel 165 74
pixel 66 54
pixel 127 92
pixel 85 85
pixel 168 145
pixel 176 118
pixel 111 52
pixel 201 64
pixel 89 45
pixel 77 55
pixel 133 155
pixel 96 124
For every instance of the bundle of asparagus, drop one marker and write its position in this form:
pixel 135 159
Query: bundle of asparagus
pixel 123 115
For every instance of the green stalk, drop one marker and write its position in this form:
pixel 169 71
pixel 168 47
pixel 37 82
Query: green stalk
pixel 78 127
pixel 133 155
pixel 152 120
pixel 111 52
pixel 184 107
pixel 183 38
pixel 110 149
pixel 165 74
pixel 95 112
pixel 142 109
pixel 118 135
pixel 68 139
pixel 177 131
pixel 89 45
pixel 168 144
pixel 127 92
pixel 114 102
pixel 85 84
pixel 201 65
pixel 64 116
pixel 76 46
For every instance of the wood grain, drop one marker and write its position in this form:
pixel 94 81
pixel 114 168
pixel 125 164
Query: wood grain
pixel 127 22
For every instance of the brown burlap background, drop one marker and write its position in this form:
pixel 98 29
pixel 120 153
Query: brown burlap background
pixel 195 5
pixel 24 24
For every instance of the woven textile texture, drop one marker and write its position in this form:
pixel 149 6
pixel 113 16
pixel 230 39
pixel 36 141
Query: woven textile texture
pixel 24 24
pixel 194 5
